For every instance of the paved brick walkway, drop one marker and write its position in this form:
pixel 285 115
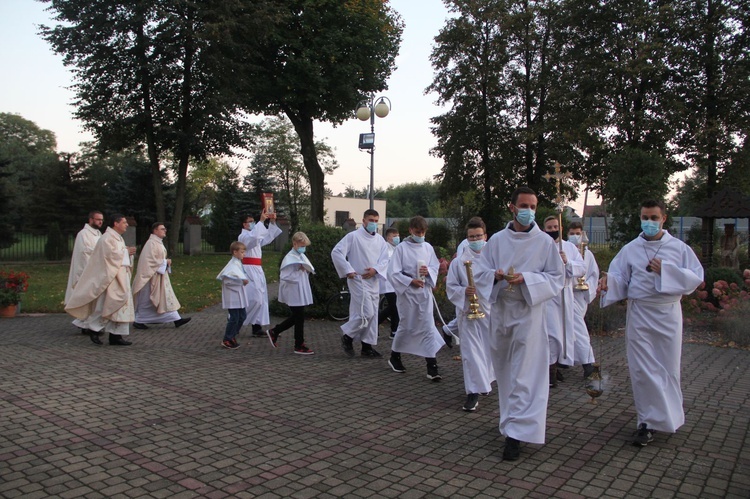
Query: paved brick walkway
pixel 175 415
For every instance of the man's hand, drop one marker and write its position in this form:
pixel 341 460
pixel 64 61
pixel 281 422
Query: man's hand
pixel 369 272
pixel 499 273
pixel 564 257
pixel 351 275
pixel 517 279
pixel 602 284
pixel 263 216
pixel 423 271
pixel 655 265
pixel 417 283
pixel 131 250
pixel 244 282
pixel 169 262
pixel 471 291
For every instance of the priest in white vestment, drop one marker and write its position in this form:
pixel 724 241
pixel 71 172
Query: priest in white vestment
pixel 475 341
pixel 254 236
pixel 413 272
pixel 584 354
pixel 653 272
pixel 362 257
pixel 520 347
pixel 155 301
pixel 102 298
pixel 560 309
pixel 86 240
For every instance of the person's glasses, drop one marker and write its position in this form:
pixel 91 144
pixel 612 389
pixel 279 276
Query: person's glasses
pixel 475 238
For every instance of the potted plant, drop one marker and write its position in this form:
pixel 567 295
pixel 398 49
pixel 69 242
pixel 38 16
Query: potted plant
pixel 12 285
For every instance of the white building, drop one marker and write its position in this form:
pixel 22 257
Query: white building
pixel 339 209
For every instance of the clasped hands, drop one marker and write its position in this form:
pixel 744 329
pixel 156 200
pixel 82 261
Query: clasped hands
pixel 517 279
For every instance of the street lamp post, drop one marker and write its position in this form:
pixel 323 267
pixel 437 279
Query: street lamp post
pixel 366 111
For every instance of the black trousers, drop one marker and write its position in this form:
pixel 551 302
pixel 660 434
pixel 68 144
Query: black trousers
pixel 390 312
pixel 298 321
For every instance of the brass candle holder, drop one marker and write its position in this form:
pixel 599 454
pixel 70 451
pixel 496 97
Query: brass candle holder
pixel 508 276
pixel 475 311
pixel 582 285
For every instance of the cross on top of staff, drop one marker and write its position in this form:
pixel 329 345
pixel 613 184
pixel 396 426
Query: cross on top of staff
pixel 559 177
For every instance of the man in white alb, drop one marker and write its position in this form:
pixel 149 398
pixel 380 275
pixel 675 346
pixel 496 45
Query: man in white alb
pixel 86 240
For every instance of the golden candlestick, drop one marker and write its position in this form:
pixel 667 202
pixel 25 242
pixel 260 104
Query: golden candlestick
pixel 582 285
pixel 475 311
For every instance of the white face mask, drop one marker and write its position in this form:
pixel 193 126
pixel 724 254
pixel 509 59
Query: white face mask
pixel 575 239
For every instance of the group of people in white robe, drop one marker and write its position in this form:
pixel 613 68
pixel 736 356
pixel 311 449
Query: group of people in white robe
pixel 99 293
pixel 528 283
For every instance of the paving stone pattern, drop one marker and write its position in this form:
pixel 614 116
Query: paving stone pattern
pixel 175 415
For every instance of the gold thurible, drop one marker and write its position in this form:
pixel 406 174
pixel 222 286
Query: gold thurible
pixel 475 311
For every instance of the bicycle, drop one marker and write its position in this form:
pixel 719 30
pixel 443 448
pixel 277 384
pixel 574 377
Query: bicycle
pixel 337 305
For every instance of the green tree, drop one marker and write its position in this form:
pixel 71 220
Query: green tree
pixel 225 219
pixel 150 73
pixel 410 199
pixel 320 59
pixel 635 175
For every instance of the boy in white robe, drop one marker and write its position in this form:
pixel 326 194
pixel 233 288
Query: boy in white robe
pixel 86 240
pixel 584 354
pixel 560 319
pixel 390 313
pixel 233 279
pixel 413 272
pixel 102 298
pixel 155 301
pixel 295 291
pixel 519 343
pixel 475 342
pixel 653 272
pixel 362 257
pixel 254 236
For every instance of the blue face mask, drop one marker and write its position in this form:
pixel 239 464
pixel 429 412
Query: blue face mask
pixel 395 240
pixel 525 216
pixel 574 239
pixel 301 250
pixel 418 239
pixel 477 245
pixel 650 227
pixel 250 227
pixel 372 227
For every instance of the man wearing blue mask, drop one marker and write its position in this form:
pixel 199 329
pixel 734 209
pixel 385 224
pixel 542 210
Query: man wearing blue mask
pixel 475 341
pixel 653 272
pixel 254 236
pixel 519 344
pixel 362 257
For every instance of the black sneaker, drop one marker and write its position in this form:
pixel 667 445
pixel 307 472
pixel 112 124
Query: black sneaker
pixel 138 325
pixel 432 373
pixel 396 365
pixel 371 353
pixel 643 436
pixel 553 376
pixel 512 449
pixel 472 402
pixel 392 335
pixel 273 337
pixel 347 343
pixel 258 331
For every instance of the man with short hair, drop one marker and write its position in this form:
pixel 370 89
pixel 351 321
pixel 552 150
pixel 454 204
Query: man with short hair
pixel 519 344
pixel 652 272
pixel 85 243
pixel 475 341
pixel 362 257
pixel 560 309
pixel 102 297
pixel 155 301
pixel 390 313
pixel 254 236
pixel 584 354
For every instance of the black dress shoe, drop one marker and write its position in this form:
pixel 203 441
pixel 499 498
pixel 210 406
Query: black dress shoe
pixel 512 450
pixel 94 335
pixel 182 322
pixel 116 339
pixel 138 325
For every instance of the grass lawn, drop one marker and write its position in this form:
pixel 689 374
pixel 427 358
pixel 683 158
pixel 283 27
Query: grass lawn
pixel 193 279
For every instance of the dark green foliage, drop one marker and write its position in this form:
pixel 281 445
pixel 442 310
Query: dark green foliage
pixel 410 199
pixel 714 274
pixel 440 235
pixel 225 222
pixel 325 281
pixel 56 247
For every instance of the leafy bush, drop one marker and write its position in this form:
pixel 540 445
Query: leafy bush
pixel 714 274
pixel 734 326
pixel 56 247
pixel 439 235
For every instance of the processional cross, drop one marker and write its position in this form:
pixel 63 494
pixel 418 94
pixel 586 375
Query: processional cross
pixel 560 177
